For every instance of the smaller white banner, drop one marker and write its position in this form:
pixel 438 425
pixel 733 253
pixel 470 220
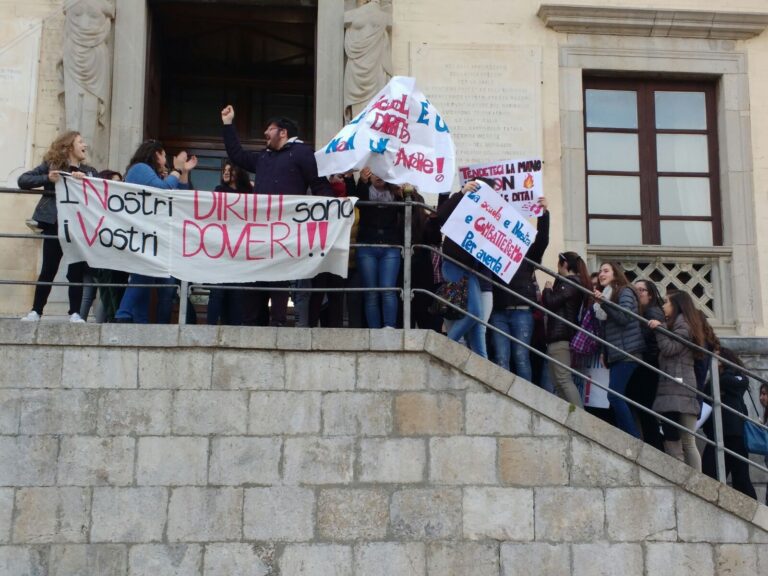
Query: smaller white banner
pixel 206 237
pixel 519 182
pixel 491 230
pixel 400 136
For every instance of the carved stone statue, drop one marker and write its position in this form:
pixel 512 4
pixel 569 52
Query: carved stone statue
pixel 368 49
pixel 87 64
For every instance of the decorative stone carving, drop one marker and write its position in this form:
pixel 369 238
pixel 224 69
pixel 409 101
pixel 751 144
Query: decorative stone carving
pixel 87 64
pixel 368 49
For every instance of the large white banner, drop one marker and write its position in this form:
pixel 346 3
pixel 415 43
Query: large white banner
pixel 519 182
pixel 207 237
pixel 490 229
pixel 400 136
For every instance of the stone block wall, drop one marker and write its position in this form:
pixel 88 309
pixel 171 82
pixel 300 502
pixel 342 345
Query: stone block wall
pixel 204 451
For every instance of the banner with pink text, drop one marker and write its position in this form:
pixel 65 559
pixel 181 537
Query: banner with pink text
pixel 519 182
pixel 206 237
pixel 491 230
pixel 400 136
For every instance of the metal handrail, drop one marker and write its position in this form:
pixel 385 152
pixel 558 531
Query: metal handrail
pixel 407 250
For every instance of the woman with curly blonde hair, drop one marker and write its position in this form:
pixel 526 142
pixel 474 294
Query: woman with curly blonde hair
pixel 65 154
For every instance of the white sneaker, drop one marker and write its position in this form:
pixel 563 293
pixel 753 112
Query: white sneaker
pixel 75 318
pixel 32 316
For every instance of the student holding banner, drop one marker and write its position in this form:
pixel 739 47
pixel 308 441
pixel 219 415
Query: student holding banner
pixel 514 316
pixel 464 326
pixel 286 166
pixel 66 154
pixel 145 168
pixel 379 266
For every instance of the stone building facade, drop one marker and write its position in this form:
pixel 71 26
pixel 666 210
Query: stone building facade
pixel 513 79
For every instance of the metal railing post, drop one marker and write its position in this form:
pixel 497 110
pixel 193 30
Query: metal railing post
pixel 718 420
pixel 407 266
pixel 183 299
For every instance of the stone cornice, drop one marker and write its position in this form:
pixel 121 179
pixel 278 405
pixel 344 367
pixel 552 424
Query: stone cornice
pixel 658 23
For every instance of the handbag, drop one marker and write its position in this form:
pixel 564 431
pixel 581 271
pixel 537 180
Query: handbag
pixel 755 438
pixel 454 292
pixel 582 343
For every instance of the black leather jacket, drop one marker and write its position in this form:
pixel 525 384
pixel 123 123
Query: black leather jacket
pixel 564 300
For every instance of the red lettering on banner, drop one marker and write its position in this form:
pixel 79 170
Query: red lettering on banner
pixel 92 239
pixel 273 240
pixel 102 198
pixel 392 125
pixel 416 161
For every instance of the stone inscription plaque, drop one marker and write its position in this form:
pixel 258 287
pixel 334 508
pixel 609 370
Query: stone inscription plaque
pixel 489 95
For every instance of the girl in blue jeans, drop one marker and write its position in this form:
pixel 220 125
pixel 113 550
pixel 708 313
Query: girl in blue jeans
pixel 623 331
pixel 379 266
pixel 145 168
pixel 465 326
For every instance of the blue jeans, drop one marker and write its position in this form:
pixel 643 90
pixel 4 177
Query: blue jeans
pixel 135 303
pixel 620 373
pixel 519 324
pixel 466 326
pixel 379 268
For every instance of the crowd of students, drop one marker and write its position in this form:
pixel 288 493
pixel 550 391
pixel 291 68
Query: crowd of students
pixel 605 302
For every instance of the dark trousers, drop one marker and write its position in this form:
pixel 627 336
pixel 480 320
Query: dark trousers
pixel 335 313
pixel 642 389
pixel 256 310
pixel 51 259
pixel 738 469
pixel 225 306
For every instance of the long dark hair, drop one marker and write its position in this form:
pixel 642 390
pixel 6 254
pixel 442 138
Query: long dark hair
pixel 682 303
pixel 241 181
pixel 619 280
pixel 577 267
pixel 764 388
pixel 146 153
pixel 654 296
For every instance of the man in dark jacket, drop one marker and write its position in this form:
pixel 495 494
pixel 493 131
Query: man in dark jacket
pixel 286 166
pixel 513 315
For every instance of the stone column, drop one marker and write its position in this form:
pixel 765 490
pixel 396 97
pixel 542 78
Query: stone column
pixel 329 107
pixel 128 81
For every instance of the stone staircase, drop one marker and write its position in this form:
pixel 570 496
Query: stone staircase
pixel 213 451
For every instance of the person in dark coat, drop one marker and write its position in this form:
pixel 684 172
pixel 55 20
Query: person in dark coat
pixel 675 401
pixel 66 154
pixel 286 166
pixel 733 385
pixel 565 300
pixel 644 381
pixel 623 331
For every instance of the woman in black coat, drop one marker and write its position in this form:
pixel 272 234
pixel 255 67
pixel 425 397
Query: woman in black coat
pixel 567 301
pixel 66 154
pixel 733 386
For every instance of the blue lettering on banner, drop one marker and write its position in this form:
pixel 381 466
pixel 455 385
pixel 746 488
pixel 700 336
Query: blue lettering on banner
pixel 440 126
pixel 468 244
pixel 518 231
pixel 379 148
pixel 339 145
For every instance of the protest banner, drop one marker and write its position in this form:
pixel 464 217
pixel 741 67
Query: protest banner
pixel 519 182
pixel 198 236
pixel 491 230
pixel 400 136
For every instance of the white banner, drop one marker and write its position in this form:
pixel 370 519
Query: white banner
pixel 519 182
pixel 206 237
pixel 491 230
pixel 400 136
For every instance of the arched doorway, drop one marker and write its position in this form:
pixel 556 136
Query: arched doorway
pixel 204 55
